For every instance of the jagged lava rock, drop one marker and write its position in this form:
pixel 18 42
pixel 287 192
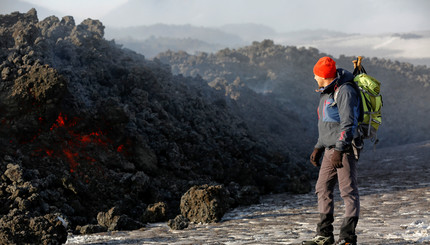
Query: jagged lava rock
pixel 88 125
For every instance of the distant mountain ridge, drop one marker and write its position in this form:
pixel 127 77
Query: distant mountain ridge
pixel 409 47
pixel 212 35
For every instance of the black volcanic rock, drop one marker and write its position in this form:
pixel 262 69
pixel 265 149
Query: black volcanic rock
pixel 86 126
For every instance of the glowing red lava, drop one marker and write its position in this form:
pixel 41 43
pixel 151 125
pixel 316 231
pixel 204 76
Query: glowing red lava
pixel 76 147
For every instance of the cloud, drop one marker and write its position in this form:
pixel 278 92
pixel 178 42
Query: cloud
pixel 351 16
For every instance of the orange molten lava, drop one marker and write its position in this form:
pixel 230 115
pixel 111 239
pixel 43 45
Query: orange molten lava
pixel 74 147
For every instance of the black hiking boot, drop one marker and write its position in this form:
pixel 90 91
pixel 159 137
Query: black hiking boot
pixel 320 240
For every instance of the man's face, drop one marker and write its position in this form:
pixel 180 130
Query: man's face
pixel 320 81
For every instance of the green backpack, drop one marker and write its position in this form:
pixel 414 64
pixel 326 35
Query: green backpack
pixel 371 99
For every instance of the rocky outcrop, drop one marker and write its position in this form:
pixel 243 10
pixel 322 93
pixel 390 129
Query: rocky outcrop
pixel 94 134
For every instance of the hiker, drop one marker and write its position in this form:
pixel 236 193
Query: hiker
pixel 337 127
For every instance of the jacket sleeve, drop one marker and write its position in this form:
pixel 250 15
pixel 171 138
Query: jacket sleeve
pixel 319 145
pixel 348 102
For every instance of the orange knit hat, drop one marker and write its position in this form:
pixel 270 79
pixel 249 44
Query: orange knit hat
pixel 325 67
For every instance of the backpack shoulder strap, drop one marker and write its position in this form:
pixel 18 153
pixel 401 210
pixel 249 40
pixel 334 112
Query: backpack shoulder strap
pixel 352 83
pixel 357 89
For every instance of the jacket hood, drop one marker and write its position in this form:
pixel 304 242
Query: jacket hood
pixel 342 77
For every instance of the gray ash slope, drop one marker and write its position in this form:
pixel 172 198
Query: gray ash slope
pixel 284 75
pixel 87 126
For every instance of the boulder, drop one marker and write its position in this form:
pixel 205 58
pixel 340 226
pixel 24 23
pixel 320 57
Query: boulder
pixel 114 220
pixel 178 223
pixel 205 203
pixel 90 229
pixel 155 213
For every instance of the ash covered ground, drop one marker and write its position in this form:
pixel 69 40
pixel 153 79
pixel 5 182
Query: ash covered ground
pixel 394 186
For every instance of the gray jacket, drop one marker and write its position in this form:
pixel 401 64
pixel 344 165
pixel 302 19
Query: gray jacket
pixel 337 121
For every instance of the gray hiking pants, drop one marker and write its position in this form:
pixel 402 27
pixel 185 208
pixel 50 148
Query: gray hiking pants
pixel 347 178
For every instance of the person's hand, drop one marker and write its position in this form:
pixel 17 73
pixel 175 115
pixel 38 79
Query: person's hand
pixel 316 156
pixel 336 159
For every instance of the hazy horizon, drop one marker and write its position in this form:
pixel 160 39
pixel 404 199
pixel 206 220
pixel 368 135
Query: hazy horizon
pixel 348 16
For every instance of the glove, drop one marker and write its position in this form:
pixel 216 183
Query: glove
pixel 336 159
pixel 316 156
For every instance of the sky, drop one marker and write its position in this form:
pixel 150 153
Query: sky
pixel 350 16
